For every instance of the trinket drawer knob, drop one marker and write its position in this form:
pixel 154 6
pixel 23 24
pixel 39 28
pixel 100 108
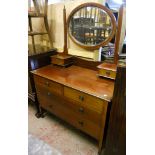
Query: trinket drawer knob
pixel 107 73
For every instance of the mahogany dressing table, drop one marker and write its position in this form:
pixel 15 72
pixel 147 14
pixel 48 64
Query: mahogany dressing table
pixel 76 95
pixel 75 92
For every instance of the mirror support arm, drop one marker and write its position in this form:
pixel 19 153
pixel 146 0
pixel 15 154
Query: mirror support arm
pixel 118 40
pixel 65 50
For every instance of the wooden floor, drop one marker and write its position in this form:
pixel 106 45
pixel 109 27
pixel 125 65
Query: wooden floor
pixel 60 135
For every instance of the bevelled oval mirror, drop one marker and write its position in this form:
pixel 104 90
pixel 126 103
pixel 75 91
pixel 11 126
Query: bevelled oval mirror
pixel 91 25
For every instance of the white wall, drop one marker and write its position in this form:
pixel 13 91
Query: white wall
pixel 58 1
pixel 54 1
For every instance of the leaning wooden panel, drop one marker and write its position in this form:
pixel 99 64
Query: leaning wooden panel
pixel 116 135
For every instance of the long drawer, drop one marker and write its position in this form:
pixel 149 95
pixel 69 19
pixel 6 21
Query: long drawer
pixel 91 102
pixel 84 112
pixel 48 84
pixel 57 106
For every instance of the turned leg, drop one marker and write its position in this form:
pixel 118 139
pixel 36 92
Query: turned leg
pixel 42 112
pixel 38 113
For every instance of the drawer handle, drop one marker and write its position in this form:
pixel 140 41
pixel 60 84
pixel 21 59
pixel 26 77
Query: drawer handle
pixel 107 73
pixel 81 110
pixel 81 123
pixel 81 98
pixel 49 94
pixel 47 83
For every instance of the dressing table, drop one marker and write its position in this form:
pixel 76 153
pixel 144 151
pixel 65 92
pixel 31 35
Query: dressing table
pixel 76 95
pixel 74 92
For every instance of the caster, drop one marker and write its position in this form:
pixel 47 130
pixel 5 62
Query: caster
pixel 43 114
pixel 38 115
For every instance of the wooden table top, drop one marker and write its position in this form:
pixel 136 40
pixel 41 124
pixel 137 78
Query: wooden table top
pixel 79 78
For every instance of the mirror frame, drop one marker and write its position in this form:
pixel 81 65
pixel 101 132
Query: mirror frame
pixel 107 40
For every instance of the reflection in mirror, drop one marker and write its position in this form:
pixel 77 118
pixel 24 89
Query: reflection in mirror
pixel 90 26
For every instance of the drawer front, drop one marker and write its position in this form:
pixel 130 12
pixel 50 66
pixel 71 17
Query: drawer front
pixel 50 85
pixel 57 61
pixel 107 73
pixel 84 112
pixel 56 105
pixel 91 102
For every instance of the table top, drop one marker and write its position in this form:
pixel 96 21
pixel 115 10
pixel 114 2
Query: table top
pixel 79 78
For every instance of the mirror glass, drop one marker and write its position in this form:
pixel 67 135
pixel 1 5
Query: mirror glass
pixel 90 26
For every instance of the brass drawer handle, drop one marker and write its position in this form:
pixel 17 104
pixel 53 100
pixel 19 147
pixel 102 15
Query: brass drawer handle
pixel 81 123
pixel 81 110
pixel 107 73
pixel 49 94
pixel 47 83
pixel 81 98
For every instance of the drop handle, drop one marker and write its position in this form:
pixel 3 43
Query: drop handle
pixel 47 83
pixel 81 110
pixel 81 123
pixel 81 98
pixel 107 73
pixel 49 94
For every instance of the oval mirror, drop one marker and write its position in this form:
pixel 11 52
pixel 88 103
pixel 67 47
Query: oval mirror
pixel 91 25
